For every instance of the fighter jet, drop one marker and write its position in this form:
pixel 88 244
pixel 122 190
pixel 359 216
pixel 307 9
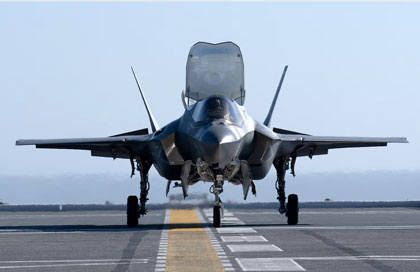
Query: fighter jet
pixel 215 140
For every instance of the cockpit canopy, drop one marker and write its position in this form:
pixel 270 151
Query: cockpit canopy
pixel 215 69
pixel 216 107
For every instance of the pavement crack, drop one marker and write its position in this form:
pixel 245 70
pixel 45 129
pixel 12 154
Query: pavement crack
pixel 375 264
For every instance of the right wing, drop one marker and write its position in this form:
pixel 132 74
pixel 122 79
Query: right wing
pixel 117 146
pixel 307 145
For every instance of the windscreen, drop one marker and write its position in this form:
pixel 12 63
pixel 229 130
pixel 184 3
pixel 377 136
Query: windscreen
pixel 215 69
pixel 216 107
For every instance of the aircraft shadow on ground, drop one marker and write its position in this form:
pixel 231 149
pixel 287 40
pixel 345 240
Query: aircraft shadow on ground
pixel 123 228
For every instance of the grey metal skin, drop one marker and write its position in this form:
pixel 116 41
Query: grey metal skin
pixel 215 140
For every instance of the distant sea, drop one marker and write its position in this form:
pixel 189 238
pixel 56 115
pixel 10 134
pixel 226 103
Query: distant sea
pixel 101 188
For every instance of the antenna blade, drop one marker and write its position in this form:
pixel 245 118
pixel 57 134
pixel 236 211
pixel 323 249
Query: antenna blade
pixel 273 104
pixel 152 119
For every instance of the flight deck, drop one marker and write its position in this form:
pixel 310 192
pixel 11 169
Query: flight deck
pixel 363 239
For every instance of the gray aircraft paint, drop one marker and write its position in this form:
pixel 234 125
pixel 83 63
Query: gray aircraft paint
pixel 224 143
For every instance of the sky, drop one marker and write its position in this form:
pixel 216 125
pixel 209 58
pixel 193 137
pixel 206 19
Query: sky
pixel 354 70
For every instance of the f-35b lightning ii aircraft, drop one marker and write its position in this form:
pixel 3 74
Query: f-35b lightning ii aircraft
pixel 215 140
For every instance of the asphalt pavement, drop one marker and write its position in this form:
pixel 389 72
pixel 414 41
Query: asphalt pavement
pixel 370 239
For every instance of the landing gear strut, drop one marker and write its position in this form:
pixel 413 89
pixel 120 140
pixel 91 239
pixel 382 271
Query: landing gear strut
pixel 292 208
pixel 134 210
pixel 218 209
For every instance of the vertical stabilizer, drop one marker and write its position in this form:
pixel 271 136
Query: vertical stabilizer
pixel 270 112
pixel 152 119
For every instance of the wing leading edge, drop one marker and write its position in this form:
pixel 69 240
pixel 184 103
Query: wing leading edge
pixel 114 146
pixel 307 145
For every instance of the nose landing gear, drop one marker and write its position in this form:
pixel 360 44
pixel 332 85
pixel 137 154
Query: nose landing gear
pixel 218 209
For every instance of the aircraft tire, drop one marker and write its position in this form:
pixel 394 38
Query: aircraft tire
pixel 132 211
pixel 292 209
pixel 217 217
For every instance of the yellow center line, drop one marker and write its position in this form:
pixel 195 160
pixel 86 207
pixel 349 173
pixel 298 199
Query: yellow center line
pixel 189 247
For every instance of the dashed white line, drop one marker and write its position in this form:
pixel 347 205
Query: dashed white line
pixel 96 263
pixel 216 245
pixel 241 238
pixel 253 248
pixel 268 264
pixel 407 227
pixel 236 230
pixel 359 258
pixel 163 246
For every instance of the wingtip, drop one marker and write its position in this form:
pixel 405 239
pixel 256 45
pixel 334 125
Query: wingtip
pixel 402 140
pixel 20 142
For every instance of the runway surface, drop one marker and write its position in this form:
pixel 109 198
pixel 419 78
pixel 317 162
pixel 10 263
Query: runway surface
pixel 382 239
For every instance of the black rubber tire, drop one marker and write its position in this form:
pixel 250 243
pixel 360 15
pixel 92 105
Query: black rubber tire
pixel 217 217
pixel 292 209
pixel 132 211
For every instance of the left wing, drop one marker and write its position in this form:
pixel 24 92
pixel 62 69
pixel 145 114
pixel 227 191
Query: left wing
pixel 115 146
pixel 307 145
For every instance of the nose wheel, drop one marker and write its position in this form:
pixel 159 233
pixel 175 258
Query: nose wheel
pixel 218 209
pixel 217 216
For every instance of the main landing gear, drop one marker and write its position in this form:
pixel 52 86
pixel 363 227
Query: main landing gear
pixel 218 209
pixel 292 208
pixel 134 209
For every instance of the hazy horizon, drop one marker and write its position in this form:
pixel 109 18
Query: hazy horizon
pixel 101 188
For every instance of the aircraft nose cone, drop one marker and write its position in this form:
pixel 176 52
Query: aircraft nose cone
pixel 219 145
pixel 219 134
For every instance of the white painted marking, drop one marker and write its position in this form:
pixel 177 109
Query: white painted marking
pixel 210 213
pixel 359 258
pixel 230 219
pixel 102 263
pixel 268 264
pixel 236 230
pixel 253 247
pixel 243 239
pixel 233 223
pixel 216 246
pixel 407 227
pixel 163 246
pixel 60 215
pixel 341 211
pixel 41 232
pixel 73 261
